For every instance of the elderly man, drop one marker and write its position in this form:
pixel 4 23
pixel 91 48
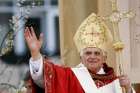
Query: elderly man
pixel 92 75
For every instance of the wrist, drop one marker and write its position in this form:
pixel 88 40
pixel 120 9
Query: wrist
pixel 35 56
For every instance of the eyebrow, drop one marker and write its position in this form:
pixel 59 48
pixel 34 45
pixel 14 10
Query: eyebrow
pixel 92 51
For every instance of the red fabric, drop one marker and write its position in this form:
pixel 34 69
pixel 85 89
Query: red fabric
pixel 59 80
pixel 104 79
pixel 35 88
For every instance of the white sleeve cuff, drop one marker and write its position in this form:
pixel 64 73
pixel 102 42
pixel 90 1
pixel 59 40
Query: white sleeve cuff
pixel 36 70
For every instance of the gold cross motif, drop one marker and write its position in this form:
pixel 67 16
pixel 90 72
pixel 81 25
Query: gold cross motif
pixel 93 32
pixel 115 17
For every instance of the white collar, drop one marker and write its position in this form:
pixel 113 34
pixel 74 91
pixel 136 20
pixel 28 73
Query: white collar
pixel 101 71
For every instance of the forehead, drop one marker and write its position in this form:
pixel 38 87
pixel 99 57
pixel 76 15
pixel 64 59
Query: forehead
pixel 92 49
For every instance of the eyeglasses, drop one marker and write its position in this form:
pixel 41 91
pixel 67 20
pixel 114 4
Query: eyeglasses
pixel 96 53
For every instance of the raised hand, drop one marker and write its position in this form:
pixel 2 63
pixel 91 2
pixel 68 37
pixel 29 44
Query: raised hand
pixel 33 43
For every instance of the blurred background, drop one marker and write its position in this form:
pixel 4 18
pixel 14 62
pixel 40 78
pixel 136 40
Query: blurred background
pixel 15 15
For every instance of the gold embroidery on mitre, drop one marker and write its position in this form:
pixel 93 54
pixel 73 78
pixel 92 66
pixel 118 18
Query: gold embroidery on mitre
pixel 91 33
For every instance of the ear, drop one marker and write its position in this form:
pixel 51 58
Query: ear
pixel 81 59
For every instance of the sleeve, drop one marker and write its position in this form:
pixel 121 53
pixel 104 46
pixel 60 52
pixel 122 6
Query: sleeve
pixel 133 91
pixel 60 79
pixel 36 71
pixel 118 88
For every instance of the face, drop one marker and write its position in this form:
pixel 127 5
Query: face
pixel 93 59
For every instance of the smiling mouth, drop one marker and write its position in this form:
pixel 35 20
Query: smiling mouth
pixel 92 60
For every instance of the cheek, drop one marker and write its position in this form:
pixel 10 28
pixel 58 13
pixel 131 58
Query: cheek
pixel 84 58
pixel 84 61
pixel 95 65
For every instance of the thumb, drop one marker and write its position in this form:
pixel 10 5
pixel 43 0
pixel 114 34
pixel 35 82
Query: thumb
pixel 41 38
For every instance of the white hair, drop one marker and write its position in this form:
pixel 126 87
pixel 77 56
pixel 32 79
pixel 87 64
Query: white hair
pixel 81 52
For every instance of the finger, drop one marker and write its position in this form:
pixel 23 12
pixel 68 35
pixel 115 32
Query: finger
pixel 41 38
pixel 123 76
pixel 125 82
pixel 33 32
pixel 124 79
pixel 121 79
pixel 26 33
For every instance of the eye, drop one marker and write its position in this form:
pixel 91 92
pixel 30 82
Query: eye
pixel 97 53
pixel 88 53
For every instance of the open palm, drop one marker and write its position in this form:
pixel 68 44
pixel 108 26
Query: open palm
pixel 33 43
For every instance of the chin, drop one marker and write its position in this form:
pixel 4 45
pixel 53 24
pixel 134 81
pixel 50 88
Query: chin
pixel 93 71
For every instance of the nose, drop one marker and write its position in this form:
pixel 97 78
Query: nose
pixel 93 55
